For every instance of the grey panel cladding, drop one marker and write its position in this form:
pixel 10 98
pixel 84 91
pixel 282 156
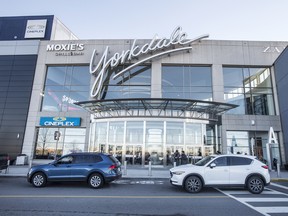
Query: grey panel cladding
pixel 16 82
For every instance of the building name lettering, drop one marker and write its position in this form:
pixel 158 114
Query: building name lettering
pixel 98 69
pixel 273 49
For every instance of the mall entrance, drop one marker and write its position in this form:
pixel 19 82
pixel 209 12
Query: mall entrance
pixel 141 142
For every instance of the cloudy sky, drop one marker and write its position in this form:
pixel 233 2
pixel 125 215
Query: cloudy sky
pixel 263 20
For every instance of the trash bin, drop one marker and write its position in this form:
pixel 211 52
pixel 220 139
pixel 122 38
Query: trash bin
pixel 22 160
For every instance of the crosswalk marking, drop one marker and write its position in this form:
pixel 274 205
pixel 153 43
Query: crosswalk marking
pixel 271 196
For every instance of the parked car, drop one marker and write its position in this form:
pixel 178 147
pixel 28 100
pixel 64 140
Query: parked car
pixel 4 158
pixel 222 170
pixel 93 168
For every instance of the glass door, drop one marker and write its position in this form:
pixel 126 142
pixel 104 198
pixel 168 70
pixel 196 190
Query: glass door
pixel 133 155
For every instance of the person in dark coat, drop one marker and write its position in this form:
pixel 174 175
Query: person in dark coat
pixel 184 159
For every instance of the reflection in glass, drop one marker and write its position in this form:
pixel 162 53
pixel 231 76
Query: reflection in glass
pixel 154 142
pixel 64 86
pixel 71 140
pixel 135 83
pixel 116 132
pixel 250 88
pixel 134 132
pixel 187 82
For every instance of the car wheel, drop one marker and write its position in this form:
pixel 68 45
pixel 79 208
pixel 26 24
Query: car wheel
pixel 39 180
pixel 255 185
pixel 193 184
pixel 96 180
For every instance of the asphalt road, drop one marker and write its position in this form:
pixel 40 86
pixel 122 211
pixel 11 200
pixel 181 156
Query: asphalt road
pixel 125 197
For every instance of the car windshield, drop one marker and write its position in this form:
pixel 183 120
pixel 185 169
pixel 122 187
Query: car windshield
pixel 204 161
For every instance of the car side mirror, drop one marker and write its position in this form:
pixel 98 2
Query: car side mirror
pixel 212 165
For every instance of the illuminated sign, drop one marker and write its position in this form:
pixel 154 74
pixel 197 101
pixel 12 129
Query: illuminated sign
pixel 35 28
pixel 60 121
pixel 71 49
pixel 177 38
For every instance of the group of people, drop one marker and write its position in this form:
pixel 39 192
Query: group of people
pixel 180 159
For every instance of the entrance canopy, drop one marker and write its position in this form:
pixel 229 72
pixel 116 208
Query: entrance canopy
pixel 156 107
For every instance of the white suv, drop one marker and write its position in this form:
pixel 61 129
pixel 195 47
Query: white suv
pixel 222 170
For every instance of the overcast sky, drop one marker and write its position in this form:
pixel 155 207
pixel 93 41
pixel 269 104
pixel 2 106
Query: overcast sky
pixel 262 20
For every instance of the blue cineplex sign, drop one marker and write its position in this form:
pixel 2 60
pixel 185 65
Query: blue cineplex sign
pixel 59 121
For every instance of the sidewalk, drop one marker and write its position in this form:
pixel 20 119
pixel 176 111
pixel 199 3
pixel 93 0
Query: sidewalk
pixel 132 172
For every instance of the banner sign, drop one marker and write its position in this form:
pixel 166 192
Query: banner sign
pixel 35 28
pixel 60 121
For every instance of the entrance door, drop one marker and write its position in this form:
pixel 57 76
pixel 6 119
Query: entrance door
pixel 133 154
pixel 116 151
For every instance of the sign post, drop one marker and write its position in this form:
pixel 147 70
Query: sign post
pixel 57 135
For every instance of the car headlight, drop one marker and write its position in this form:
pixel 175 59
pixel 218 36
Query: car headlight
pixel 178 172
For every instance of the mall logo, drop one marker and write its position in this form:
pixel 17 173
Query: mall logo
pixel 35 28
pixel 158 48
pixel 60 121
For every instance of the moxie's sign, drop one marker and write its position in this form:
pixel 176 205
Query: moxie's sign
pixel 98 69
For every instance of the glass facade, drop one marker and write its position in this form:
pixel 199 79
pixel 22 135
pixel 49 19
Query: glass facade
pixel 250 88
pixel 187 82
pixel 139 142
pixel 134 83
pixel 65 85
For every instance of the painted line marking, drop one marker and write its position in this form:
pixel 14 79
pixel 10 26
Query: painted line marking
pixel 114 197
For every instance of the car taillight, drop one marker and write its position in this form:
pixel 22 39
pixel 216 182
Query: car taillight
pixel 112 167
pixel 265 167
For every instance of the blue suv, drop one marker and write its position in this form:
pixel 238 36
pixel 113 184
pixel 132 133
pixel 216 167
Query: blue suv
pixel 93 168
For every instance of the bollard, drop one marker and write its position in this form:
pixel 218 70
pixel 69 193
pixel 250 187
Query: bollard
pixel 278 170
pixel 174 164
pixel 125 168
pixel 7 169
pixel 150 169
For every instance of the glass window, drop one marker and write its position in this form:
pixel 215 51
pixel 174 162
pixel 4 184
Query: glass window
pixel 64 86
pixel 175 133
pixel 221 161
pixel 250 89
pixel 134 83
pixel 116 132
pixel 193 134
pixel 187 82
pixel 134 133
pixel 238 161
pixel 238 142
pixel 71 140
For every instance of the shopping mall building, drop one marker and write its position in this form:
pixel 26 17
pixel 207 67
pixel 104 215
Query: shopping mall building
pixel 142 99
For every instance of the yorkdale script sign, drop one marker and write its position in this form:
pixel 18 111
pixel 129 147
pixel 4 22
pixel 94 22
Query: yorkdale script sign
pixel 99 69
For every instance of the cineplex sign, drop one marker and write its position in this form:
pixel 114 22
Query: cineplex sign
pixel 155 46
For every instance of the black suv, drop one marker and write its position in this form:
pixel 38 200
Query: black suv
pixel 4 158
pixel 94 168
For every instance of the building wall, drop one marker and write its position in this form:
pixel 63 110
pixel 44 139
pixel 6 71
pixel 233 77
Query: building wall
pixel 207 52
pixel 17 68
pixel 13 28
pixel 281 76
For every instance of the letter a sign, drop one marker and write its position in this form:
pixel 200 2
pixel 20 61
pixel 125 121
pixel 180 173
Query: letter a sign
pixel 272 137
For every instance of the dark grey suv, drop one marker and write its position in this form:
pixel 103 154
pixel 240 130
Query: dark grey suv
pixel 94 168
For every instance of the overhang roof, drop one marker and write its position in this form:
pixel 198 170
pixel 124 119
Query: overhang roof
pixel 156 107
